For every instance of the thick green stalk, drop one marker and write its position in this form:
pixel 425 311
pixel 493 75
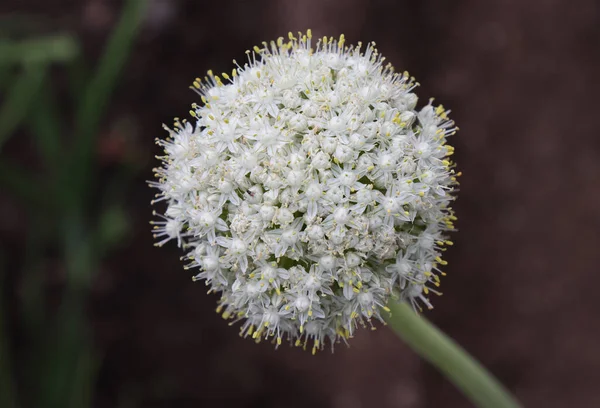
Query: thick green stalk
pixel 454 362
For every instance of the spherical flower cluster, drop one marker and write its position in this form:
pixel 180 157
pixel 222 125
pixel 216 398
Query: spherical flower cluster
pixel 309 190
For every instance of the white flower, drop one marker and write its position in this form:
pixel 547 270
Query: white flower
pixel 309 190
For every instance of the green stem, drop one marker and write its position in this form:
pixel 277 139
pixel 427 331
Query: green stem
pixel 477 383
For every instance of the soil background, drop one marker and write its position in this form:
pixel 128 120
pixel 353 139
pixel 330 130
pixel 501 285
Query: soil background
pixel 521 79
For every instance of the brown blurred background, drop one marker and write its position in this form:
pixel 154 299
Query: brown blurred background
pixel 521 79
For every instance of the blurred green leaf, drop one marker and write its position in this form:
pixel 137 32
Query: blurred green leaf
pixel 84 378
pixel 80 256
pixel 40 230
pixel 58 361
pixel 45 126
pixel 6 72
pixel 55 48
pixel 99 90
pixel 19 99
pixel 78 76
pixel 112 228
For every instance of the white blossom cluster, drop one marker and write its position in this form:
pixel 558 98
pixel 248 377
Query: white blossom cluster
pixel 309 190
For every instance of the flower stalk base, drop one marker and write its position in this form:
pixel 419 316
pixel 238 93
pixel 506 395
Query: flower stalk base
pixel 468 375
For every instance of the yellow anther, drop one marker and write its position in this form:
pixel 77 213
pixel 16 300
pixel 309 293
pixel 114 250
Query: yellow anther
pixel 387 309
pixel 425 290
pixel 445 162
pixel 226 315
pixel 219 308
pixel 225 75
pixel 192 113
pixel 309 33
pixel 211 117
pixel 297 343
pixel 310 312
pixel 234 72
pixel 256 49
pixel 449 243
pixel 196 84
pixel 279 341
pixel 251 329
pixel 301 328
pixel 210 73
pixel 421 194
pixel 355 290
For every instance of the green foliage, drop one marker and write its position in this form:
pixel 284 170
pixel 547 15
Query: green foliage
pixel 19 98
pixel 59 366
